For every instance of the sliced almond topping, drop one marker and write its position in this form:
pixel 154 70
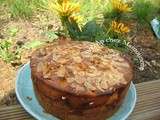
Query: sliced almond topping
pixel 104 84
pixel 77 59
pixel 62 61
pixel 85 65
pixel 61 71
pixel 89 86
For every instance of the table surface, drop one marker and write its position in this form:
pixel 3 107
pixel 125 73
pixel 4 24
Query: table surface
pixel 147 106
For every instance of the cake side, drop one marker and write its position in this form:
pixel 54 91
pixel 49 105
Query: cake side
pixel 70 107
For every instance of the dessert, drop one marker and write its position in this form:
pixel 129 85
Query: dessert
pixel 80 80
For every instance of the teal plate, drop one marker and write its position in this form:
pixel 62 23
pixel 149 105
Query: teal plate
pixel 27 98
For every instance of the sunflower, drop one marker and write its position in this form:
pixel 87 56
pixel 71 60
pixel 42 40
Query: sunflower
pixel 119 5
pixel 65 7
pixel 119 27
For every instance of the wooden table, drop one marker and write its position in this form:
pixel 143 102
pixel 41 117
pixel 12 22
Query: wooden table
pixel 147 107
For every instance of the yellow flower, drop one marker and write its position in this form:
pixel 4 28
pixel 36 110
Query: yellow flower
pixel 77 19
pixel 65 7
pixel 119 5
pixel 61 1
pixel 119 27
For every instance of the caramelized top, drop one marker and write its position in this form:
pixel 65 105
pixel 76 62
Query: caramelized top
pixel 83 68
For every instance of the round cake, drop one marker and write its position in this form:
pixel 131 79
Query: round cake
pixel 80 80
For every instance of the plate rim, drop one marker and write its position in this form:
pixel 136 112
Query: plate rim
pixel 28 110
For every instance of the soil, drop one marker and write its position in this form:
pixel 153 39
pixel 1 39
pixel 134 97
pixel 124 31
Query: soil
pixel 149 47
pixel 144 40
pixel 28 31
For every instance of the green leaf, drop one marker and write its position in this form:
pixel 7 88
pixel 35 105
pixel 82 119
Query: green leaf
pixel 72 27
pixel 33 44
pixel 7 53
pixel 91 31
pixel 13 31
pixel 51 35
pixel 6 44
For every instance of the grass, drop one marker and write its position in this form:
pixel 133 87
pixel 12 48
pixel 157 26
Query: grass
pixel 24 8
pixel 12 31
pixel 144 11
pixel 21 8
pixel 92 9
pixel 40 5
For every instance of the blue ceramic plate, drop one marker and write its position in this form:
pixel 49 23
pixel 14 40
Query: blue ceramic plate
pixel 26 96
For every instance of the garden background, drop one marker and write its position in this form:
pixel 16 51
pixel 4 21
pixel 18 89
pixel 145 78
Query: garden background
pixel 27 24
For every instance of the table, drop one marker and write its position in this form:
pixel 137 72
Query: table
pixel 147 106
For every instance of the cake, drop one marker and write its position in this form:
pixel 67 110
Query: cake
pixel 80 80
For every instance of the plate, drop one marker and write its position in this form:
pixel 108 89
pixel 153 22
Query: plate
pixel 27 98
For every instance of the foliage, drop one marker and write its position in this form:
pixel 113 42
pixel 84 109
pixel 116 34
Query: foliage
pixel 144 11
pixel 33 44
pixel 103 18
pixel 114 18
pixel 117 9
pixel 51 35
pixel 91 31
pixel 40 5
pixel 92 9
pixel 66 11
pixel 13 31
pixel 21 8
pixel 94 28
pixel 7 53
pixel 10 52
pixel 1 1
pixel 25 8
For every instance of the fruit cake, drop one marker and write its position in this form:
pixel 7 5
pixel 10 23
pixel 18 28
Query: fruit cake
pixel 80 80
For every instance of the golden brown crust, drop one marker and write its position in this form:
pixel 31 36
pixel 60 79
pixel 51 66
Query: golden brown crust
pixel 83 68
